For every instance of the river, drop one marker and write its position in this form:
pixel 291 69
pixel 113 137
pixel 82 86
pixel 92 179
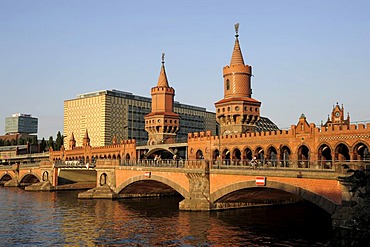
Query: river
pixel 61 219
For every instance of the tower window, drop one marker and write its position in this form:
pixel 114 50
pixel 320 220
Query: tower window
pixel 227 84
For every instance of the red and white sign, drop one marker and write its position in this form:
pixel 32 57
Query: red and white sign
pixel 147 174
pixel 261 181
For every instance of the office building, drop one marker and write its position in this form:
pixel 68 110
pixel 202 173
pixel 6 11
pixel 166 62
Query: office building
pixel 21 123
pixel 112 113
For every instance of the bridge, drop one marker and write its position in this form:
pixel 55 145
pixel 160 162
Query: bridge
pixel 204 184
pixel 48 176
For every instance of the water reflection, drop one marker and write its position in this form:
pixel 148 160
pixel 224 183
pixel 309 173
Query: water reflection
pixel 60 219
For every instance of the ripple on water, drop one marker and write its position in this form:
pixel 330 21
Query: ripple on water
pixel 60 219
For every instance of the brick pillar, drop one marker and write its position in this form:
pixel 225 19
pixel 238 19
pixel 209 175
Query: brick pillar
pixel 199 191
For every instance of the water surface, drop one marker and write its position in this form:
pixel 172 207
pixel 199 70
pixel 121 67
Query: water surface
pixel 61 219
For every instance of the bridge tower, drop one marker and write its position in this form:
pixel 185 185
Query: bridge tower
pixel 72 142
pixel 86 140
pixel 162 123
pixel 237 112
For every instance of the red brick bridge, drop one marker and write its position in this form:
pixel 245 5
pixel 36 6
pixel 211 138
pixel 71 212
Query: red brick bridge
pixel 203 184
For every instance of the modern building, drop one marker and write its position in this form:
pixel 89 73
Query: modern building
pixel 112 113
pixel 21 123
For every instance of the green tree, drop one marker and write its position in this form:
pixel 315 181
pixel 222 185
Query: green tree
pixel 13 142
pixel 43 145
pixel 7 143
pixel 34 140
pixel 1 142
pixel 352 224
pixel 59 141
pixel 20 141
pixel 51 143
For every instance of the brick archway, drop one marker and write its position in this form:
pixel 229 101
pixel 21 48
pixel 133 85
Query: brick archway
pixel 182 191
pixel 29 176
pixel 156 149
pixel 6 177
pixel 321 201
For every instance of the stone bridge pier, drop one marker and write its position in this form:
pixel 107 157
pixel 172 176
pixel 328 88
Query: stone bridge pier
pixel 199 187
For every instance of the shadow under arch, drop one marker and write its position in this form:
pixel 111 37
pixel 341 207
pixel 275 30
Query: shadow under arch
pixel 183 192
pixel 323 202
pixel 29 178
pixel 156 149
pixel 6 177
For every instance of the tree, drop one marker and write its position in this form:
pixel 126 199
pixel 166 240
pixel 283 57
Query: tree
pixel 51 143
pixel 34 140
pixel 20 141
pixel 59 141
pixel 355 219
pixel 43 145
pixel 1 142
pixel 13 142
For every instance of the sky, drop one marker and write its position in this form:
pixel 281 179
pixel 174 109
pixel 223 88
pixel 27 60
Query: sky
pixel 306 55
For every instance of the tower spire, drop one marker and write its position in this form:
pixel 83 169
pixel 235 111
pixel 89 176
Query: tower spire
pixel 237 56
pixel 162 80
pixel 162 123
pixel 237 112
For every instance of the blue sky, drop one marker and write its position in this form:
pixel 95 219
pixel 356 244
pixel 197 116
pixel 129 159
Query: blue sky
pixel 306 55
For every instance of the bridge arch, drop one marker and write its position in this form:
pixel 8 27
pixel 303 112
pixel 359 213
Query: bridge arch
pixel 360 151
pixel 325 155
pixel 272 155
pixel 6 177
pixel 259 152
pixel 247 153
pixel 342 152
pixel 236 155
pixel 29 178
pixel 156 149
pixel 215 154
pixel 303 158
pixel 323 202
pixel 285 155
pixel 182 191
pixel 199 154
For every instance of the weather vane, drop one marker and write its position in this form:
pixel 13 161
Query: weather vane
pixel 163 57
pixel 236 29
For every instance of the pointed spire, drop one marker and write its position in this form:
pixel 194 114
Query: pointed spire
pixel 162 80
pixel 72 137
pixel 237 57
pixel 86 135
pixel 72 142
pixel 86 140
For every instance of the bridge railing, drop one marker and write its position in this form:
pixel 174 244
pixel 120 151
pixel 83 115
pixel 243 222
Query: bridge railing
pixel 318 165
pixel 154 163
pixel 73 164
pixel 295 165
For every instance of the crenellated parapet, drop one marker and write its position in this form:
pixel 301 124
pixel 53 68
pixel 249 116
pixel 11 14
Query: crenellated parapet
pixel 304 143
pixel 167 90
pixel 126 149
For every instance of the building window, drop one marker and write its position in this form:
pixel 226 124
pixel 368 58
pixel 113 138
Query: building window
pixel 227 84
